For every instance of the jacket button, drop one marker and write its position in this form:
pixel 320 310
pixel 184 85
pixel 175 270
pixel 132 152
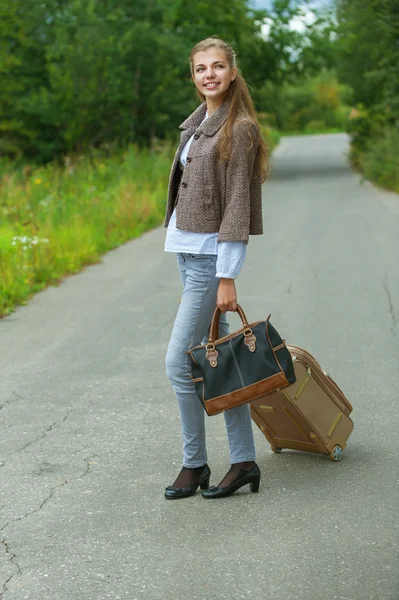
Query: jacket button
pixel 196 136
pixel 188 159
pixel 184 184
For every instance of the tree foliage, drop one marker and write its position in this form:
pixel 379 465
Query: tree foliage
pixel 368 46
pixel 369 54
pixel 82 73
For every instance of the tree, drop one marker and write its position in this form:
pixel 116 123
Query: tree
pixel 369 53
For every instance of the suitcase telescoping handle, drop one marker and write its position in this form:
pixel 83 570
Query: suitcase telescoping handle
pixel 214 328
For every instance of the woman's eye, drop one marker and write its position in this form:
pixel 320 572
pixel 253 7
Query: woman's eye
pixel 200 69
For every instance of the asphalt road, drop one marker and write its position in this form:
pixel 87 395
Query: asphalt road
pixel 89 431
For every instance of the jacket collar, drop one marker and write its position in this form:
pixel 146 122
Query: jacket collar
pixel 212 123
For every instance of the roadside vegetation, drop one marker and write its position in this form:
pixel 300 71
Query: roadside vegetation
pixel 92 94
pixel 368 61
pixel 316 104
pixel 56 219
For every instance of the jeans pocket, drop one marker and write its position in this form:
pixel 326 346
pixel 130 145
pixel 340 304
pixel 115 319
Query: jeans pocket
pixel 202 257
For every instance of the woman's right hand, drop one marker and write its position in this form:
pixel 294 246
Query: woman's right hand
pixel 226 298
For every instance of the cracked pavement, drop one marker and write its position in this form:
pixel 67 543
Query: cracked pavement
pixel 89 432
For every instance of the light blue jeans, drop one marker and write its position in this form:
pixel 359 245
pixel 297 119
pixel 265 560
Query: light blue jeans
pixel 191 327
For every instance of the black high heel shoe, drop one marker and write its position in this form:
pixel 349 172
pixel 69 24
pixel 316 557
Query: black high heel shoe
pixel 171 493
pixel 252 477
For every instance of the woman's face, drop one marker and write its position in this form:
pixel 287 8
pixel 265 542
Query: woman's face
pixel 212 73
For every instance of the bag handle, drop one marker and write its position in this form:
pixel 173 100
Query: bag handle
pixel 214 328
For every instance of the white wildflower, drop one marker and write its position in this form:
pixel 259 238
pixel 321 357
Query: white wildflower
pixel 28 241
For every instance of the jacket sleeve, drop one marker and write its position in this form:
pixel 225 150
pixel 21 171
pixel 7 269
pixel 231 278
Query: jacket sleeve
pixel 236 216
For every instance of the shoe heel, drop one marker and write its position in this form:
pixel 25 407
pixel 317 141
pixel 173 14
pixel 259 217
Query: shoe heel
pixel 204 485
pixel 254 485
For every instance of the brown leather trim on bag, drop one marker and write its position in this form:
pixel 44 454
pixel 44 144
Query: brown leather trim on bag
pixel 227 337
pixel 283 345
pixel 189 352
pixel 232 335
pixel 243 395
pixel 270 344
pixel 214 328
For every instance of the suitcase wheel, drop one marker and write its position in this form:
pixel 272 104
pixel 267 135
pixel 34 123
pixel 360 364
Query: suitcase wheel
pixel 276 449
pixel 336 453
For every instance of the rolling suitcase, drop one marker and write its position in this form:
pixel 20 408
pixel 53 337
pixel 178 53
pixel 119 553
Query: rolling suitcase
pixel 310 415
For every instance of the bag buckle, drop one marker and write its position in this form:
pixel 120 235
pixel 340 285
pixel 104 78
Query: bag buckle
pixel 211 355
pixel 250 340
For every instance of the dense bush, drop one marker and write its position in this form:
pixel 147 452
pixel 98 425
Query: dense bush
pixel 315 104
pixel 368 54
pixel 369 63
pixel 379 160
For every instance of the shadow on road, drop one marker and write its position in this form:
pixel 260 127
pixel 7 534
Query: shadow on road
pixel 308 171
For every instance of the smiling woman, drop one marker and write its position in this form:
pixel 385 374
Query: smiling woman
pixel 214 204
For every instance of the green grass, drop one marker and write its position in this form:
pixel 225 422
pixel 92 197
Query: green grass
pixel 54 221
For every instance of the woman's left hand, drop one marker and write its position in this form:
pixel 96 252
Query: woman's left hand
pixel 226 298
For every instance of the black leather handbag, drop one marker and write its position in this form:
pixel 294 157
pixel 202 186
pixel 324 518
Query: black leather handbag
pixel 241 366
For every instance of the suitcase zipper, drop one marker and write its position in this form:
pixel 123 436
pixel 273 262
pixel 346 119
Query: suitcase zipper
pixel 341 404
pixel 340 398
pixel 319 379
pixel 339 393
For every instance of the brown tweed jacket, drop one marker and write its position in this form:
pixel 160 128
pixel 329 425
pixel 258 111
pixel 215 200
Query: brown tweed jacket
pixel 213 195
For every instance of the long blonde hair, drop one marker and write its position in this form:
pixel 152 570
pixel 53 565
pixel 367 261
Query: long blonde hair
pixel 241 105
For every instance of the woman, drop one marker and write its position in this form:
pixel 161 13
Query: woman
pixel 214 203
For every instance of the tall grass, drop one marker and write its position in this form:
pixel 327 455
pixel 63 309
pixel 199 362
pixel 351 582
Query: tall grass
pixel 380 160
pixel 54 220
pixel 374 146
